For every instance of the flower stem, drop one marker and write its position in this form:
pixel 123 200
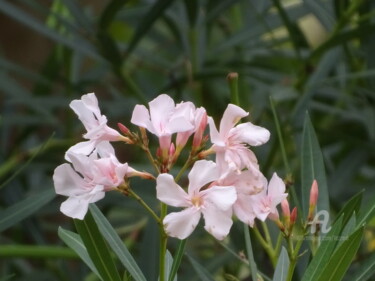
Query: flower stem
pixel 267 247
pixel 144 205
pixel 163 243
pixel 186 165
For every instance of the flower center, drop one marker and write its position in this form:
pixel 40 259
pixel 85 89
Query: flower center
pixel 197 201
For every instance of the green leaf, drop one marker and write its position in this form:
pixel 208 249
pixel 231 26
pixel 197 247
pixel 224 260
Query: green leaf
pixel 177 260
pixel 110 12
pixel 250 254
pixel 324 251
pixel 97 248
pixel 339 262
pixel 365 271
pixel 350 207
pixel 25 208
pixel 282 266
pixel 312 167
pixel 74 241
pixel 116 244
pixel 168 266
pixel 365 215
pixel 147 21
pixel 203 274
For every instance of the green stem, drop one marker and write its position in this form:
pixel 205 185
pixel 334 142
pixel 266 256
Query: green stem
pixel 267 233
pixel 163 244
pixel 144 205
pixel 267 247
pixel 186 165
pixel 38 252
pixel 233 86
pixel 293 256
pixel 278 244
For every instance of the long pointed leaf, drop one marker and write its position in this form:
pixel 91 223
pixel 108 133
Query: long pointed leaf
pixel 97 248
pixel 282 266
pixel 116 244
pixel 203 274
pixel 177 259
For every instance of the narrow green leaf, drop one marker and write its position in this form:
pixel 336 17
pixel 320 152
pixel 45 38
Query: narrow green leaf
pixel 324 251
pixel 250 254
pixel 350 207
pixel 97 248
pixel 38 252
pixel 110 12
pixel 8 277
pixel 365 271
pixel 339 262
pixel 147 21
pixel 281 271
pixel 25 208
pixel 74 241
pixel 312 167
pixel 177 259
pixel 366 214
pixel 168 266
pixel 116 244
pixel 203 274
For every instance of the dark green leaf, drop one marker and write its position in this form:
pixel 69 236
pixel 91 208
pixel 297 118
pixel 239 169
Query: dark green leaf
pixel 97 248
pixel 203 274
pixel 350 207
pixel 250 254
pixel 74 241
pixel 340 260
pixel 25 208
pixel 282 266
pixel 116 244
pixel 312 168
pixel 366 270
pixel 366 214
pixel 177 259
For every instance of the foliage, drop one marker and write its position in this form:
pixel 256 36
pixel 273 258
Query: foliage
pixel 307 55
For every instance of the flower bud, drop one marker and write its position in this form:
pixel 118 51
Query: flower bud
pixel 285 208
pixel 293 216
pixel 123 129
pixel 314 193
pixel 172 150
pixel 197 140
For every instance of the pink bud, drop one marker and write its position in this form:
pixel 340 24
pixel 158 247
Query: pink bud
pixel 293 216
pixel 197 140
pixel 285 208
pixel 123 128
pixel 314 193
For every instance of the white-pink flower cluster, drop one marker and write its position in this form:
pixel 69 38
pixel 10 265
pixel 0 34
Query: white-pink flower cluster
pixel 232 185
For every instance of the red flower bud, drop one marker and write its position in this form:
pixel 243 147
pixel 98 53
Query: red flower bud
pixel 314 193
pixel 123 129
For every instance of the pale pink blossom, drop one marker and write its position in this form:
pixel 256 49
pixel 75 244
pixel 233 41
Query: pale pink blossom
pixel 214 202
pixel 87 180
pixel 88 111
pixel 265 202
pixel 247 183
pixel 161 119
pixel 230 141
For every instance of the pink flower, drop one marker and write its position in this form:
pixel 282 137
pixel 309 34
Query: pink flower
pixel 87 181
pixel 264 203
pixel 247 183
pixel 87 110
pixel 230 143
pixel 214 202
pixel 161 120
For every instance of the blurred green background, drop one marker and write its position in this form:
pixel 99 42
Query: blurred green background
pixel 308 55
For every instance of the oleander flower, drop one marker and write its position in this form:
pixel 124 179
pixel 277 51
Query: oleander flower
pixel 87 110
pixel 230 141
pixel 265 203
pixel 162 119
pixel 213 202
pixel 86 180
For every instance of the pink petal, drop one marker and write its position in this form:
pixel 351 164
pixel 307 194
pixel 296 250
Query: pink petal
pixel 91 102
pixel 251 134
pixel 231 116
pixel 181 224
pixel 141 118
pixel 202 173
pixel 67 182
pixel 84 148
pixel 223 197
pixel 217 222
pixel 276 188
pixel 180 124
pixel 161 109
pixel 75 207
pixel 214 134
pixel 243 210
pixel 170 192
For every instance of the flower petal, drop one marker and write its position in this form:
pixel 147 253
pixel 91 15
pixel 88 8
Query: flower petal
pixel 141 118
pixel 84 148
pixel 202 173
pixel 251 134
pixel 243 210
pixel 276 188
pixel 231 116
pixel 223 197
pixel 214 134
pixel 75 207
pixel 170 192
pixel 181 224
pixel 217 222
pixel 67 182
pixel 161 109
